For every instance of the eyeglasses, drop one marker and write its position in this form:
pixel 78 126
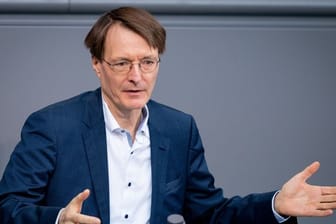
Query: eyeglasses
pixel 146 65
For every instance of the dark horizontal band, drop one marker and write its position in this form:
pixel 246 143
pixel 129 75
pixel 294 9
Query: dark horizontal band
pixel 238 7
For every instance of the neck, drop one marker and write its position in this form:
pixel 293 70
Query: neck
pixel 130 121
pixel 127 119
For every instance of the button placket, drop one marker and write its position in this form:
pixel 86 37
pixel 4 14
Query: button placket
pixel 126 192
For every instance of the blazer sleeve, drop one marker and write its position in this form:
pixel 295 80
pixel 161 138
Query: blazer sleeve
pixel 22 187
pixel 205 203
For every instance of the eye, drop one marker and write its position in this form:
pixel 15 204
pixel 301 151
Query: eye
pixel 121 64
pixel 147 62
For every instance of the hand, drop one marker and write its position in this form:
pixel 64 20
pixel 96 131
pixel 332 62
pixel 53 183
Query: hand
pixel 297 198
pixel 71 213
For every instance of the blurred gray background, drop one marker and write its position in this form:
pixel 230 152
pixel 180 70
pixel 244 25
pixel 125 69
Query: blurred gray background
pixel 258 76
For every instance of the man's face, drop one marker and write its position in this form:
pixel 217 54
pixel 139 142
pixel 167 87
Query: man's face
pixel 128 91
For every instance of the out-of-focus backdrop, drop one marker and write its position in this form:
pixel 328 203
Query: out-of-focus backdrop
pixel 258 76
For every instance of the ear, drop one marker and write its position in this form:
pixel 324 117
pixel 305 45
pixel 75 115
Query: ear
pixel 96 65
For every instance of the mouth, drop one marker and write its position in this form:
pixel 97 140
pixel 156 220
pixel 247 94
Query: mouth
pixel 133 90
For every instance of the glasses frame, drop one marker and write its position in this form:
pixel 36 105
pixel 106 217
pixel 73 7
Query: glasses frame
pixel 112 65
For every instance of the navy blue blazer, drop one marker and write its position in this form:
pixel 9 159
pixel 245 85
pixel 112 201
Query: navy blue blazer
pixel 62 151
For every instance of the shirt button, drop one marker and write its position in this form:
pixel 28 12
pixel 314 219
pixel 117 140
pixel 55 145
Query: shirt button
pixel 126 216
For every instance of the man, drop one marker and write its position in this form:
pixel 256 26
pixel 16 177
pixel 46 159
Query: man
pixel 114 156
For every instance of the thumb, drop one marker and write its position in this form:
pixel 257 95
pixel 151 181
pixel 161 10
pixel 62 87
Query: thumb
pixel 310 170
pixel 77 202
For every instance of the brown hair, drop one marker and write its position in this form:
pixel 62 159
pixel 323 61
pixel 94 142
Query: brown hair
pixel 135 19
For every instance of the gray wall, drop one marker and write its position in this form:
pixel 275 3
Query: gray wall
pixel 261 84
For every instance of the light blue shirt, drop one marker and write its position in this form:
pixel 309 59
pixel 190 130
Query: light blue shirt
pixel 278 217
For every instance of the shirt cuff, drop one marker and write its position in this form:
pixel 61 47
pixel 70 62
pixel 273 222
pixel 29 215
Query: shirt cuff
pixel 277 216
pixel 58 216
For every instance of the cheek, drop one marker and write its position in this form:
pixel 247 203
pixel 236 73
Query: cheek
pixel 110 86
pixel 152 81
pixel 108 81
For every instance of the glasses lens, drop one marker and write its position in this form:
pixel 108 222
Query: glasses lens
pixel 122 66
pixel 148 65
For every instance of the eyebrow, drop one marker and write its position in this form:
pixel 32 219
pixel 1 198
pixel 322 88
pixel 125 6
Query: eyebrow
pixel 127 59
pixel 120 59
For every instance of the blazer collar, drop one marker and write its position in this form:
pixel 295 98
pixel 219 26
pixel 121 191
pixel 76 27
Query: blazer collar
pixel 159 158
pixel 96 151
pixel 93 109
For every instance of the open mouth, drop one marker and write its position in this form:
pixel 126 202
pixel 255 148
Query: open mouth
pixel 133 90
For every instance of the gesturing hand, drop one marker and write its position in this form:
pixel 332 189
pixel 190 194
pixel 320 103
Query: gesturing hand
pixel 71 213
pixel 297 198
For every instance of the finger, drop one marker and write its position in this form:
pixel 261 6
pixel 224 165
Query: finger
pixel 77 202
pixel 328 190
pixel 327 206
pixel 328 198
pixel 321 213
pixel 310 170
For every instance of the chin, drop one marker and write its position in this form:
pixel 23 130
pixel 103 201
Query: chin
pixel 136 106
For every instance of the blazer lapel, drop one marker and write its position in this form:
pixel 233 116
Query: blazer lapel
pixel 159 158
pixel 95 145
pixel 96 150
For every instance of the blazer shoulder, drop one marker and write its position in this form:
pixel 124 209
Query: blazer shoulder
pixel 168 119
pixel 75 103
pixel 85 107
pixel 163 110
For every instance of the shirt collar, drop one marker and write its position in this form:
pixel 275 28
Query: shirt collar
pixel 112 125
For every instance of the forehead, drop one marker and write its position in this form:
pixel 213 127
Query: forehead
pixel 123 42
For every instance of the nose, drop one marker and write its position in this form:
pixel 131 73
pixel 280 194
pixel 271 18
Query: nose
pixel 135 74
